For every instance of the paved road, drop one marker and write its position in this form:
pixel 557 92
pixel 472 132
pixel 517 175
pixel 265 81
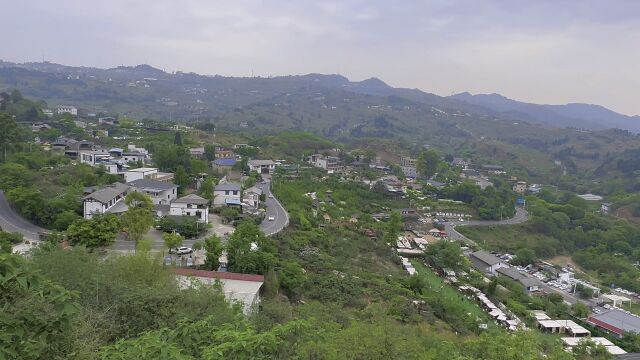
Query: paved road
pixel 12 222
pixel 275 209
pixel 450 227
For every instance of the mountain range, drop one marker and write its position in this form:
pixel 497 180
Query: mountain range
pixel 145 91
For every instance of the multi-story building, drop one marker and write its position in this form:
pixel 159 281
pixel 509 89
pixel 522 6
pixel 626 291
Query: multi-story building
pixel 227 194
pixel 191 205
pixel 106 200
pixel 65 109
pixel 160 192
pixel 262 166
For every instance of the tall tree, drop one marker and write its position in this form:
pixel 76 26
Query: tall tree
pixel 249 250
pixel 172 240
pixel 97 232
pixel 177 138
pixel 10 133
pixel 210 152
pixel 213 250
pixel 427 163
pixel 181 179
pixel 138 218
pixel 206 190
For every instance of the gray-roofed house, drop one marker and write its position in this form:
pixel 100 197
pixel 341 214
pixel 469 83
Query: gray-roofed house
pixel 161 192
pixel 106 200
pixel 251 196
pixel 262 166
pixel 530 284
pixel 228 193
pixel 191 205
pixel 485 262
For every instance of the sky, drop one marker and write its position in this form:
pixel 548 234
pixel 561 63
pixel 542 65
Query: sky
pixel 551 52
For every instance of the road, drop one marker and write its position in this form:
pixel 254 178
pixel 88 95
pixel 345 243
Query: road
pixel 10 221
pixel 450 227
pixel 275 209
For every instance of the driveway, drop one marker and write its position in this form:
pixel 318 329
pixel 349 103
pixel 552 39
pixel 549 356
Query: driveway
pixel 11 221
pixel 157 243
pixel 275 209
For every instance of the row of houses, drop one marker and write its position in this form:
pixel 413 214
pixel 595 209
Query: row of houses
pixel 500 315
pixel 576 333
pixel 110 199
pixel 231 194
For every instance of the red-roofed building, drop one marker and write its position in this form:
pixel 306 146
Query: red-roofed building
pixel 238 288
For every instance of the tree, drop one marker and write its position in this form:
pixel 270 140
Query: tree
pixel 138 218
pixel 10 133
pixel 416 283
pixel 181 179
pixel 177 138
pixel 99 231
pixel 427 163
pixel 524 257
pixel 249 250
pixel 291 276
pixel 172 240
pixel 206 189
pixel 446 255
pixel 36 314
pixel 7 239
pixel 213 250
pixel 210 152
pixel 581 310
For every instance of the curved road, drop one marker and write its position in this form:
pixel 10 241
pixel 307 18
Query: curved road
pixel 11 221
pixel 275 209
pixel 450 227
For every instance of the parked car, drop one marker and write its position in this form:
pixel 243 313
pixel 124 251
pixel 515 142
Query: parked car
pixel 271 218
pixel 270 196
pixel 183 250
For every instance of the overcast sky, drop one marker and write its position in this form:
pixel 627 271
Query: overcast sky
pixel 538 51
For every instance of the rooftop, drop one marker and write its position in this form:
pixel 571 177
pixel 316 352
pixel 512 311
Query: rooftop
pixel 486 258
pixel 146 184
pixel 616 321
pixel 261 162
pixel 143 170
pixel 219 275
pixel 191 199
pixel 225 162
pixel 108 193
pixel 228 187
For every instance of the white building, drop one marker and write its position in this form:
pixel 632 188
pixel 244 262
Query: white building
pixel 520 187
pixel 330 163
pixel 486 263
pixel 191 205
pixel 262 166
pixel 65 109
pixel 94 157
pixel 160 192
pixel 239 288
pixel 106 200
pixel 146 173
pixel 251 196
pixel 227 194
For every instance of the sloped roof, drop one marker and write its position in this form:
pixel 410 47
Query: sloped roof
pixel 146 184
pixel 192 199
pixel 225 162
pixel 261 162
pixel 486 258
pixel 219 275
pixel 254 189
pixel 108 193
pixel 228 187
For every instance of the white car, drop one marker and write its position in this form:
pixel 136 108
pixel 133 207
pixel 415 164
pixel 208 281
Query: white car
pixel 183 250
pixel 270 196
pixel 271 218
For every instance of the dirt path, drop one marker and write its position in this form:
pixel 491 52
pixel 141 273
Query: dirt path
pixel 564 260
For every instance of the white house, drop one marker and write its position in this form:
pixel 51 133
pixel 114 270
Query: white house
pixel 65 109
pixel 146 173
pixel 262 166
pixel 329 163
pixel 239 288
pixel 191 205
pixel 485 262
pixel 160 192
pixel 227 194
pixel 94 157
pixel 106 200
pixel 251 196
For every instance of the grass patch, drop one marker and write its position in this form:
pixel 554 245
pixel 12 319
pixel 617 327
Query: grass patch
pixel 509 238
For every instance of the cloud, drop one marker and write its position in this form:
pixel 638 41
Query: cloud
pixel 543 51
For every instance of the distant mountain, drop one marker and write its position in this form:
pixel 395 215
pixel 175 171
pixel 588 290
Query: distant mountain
pixel 584 116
